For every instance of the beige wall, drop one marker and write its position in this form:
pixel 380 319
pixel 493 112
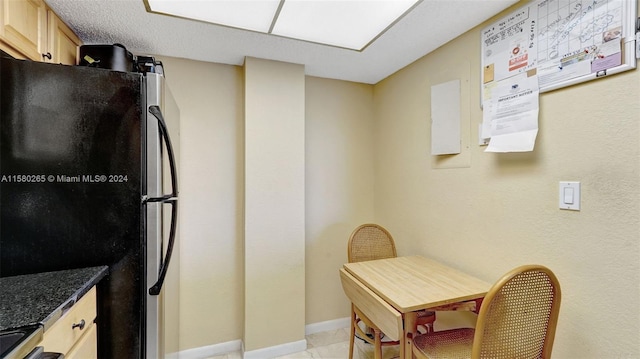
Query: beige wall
pixel 367 159
pixel 339 186
pixel 274 220
pixel 338 194
pixel 502 210
pixel 210 97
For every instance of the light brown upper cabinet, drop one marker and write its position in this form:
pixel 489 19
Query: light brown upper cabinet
pixel 62 43
pixel 30 30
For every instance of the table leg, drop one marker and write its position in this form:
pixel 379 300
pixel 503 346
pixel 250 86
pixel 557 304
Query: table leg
pixel 409 327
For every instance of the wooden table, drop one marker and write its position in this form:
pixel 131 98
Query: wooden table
pixel 414 283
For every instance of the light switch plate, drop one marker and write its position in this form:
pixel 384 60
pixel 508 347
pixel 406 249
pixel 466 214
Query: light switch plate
pixel 569 196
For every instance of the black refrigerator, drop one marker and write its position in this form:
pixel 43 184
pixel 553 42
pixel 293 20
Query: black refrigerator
pixel 82 156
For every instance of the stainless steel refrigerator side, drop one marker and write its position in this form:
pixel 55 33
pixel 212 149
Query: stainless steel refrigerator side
pixel 154 241
pixel 162 289
pixel 171 292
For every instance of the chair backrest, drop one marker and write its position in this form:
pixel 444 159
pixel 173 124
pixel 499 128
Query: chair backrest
pixel 370 241
pixel 372 309
pixel 518 316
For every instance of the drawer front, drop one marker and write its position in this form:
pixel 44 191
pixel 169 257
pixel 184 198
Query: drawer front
pixel 70 328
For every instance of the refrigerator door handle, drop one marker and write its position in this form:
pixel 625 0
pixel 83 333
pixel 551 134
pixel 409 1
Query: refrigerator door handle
pixel 155 111
pixel 164 266
pixel 170 199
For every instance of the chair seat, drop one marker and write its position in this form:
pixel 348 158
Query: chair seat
pixel 447 344
pixel 517 319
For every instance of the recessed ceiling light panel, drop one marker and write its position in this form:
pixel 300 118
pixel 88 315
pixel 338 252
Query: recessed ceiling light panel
pixel 346 23
pixel 351 24
pixel 255 15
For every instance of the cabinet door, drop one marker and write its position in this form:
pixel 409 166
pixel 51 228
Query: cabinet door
pixel 69 329
pixel 62 43
pixel 23 26
pixel 86 347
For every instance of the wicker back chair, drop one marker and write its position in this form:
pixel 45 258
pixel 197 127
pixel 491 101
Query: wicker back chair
pixel 369 242
pixel 517 319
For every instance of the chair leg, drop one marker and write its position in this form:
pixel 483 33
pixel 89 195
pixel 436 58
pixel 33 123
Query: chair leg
pixel 429 327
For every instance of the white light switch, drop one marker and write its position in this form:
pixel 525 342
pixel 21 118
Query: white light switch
pixel 570 195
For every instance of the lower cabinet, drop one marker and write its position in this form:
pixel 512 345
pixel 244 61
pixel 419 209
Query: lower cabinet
pixel 74 334
pixel 86 347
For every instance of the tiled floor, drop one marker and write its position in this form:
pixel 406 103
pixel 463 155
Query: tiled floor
pixel 329 345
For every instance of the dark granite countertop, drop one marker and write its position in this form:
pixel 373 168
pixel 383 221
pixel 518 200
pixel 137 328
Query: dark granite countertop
pixel 39 298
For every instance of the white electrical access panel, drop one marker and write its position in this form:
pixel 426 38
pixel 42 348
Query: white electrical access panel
pixel 569 196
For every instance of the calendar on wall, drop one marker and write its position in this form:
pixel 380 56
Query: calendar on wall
pixel 563 42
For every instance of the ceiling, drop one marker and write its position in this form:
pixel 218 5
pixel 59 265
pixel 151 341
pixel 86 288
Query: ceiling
pixel 429 25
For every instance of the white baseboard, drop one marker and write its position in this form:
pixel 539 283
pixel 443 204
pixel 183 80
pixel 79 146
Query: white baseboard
pixel 327 326
pixel 277 350
pixel 270 352
pixel 211 350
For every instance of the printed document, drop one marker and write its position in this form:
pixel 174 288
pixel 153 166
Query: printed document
pixel 512 109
